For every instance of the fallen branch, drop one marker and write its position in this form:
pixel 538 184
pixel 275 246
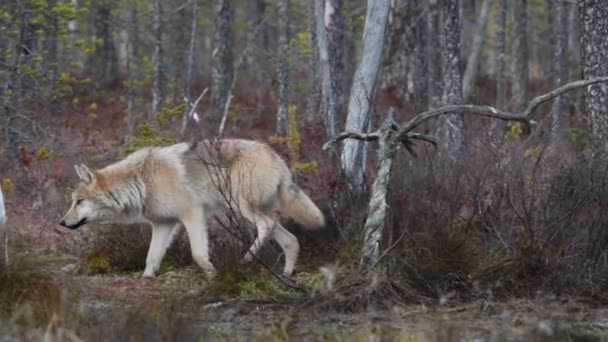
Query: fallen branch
pixel 390 135
pixel 490 111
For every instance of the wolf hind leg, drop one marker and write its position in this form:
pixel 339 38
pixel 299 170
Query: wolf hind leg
pixel 196 227
pixel 162 236
pixel 289 244
pixel 264 226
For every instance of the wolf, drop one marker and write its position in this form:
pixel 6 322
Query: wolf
pixel 185 184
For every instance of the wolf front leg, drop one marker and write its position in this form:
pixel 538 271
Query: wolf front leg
pixel 196 226
pixel 162 236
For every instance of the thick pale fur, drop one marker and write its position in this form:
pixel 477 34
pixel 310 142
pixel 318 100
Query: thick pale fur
pixel 185 184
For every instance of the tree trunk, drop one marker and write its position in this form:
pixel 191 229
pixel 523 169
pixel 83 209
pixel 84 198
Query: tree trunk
pixel 314 98
pixel 435 85
pixel 335 26
pixel 560 72
pixel 104 61
pixel 470 74
pixel 353 157
pixel 374 224
pixel 222 58
pixel 452 126
pixel 283 68
pixel 519 54
pixel 593 18
pixel 498 126
pixel 189 67
pixel 330 63
pixel 158 95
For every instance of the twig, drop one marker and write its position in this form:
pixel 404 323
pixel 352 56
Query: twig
pixel 351 135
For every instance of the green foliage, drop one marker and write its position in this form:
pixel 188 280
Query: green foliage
pixel 7 186
pixel 148 136
pixel 580 139
pixel 292 140
pixel 586 174
pixel 43 153
pixel 515 132
pixel 166 115
pixel 532 152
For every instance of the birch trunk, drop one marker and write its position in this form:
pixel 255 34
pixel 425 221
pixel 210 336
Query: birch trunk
pixel 593 18
pixel 519 54
pixel 314 98
pixel 435 85
pixel 189 67
pixel 331 83
pixel 222 58
pixel 354 154
pixel 158 93
pixel 452 126
pixel 559 68
pixel 335 26
pixel 283 68
pixel 498 126
pixel 470 74
pixel 374 224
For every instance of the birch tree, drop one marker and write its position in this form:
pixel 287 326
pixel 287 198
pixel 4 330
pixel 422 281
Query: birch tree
pixel 158 92
pixel 452 126
pixel 435 85
pixel 498 126
pixel 3 230
pixel 560 71
pixel 519 53
pixel 329 33
pixel 353 156
pixel 283 68
pixel 222 57
pixel 593 19
pixel 470 74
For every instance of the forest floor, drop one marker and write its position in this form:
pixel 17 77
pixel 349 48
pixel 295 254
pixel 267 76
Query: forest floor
pixel 180 305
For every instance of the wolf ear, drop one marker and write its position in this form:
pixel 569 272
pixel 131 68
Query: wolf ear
pixel 84 173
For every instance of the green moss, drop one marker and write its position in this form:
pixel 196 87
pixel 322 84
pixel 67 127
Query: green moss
pixel 97 262
pixel 249 285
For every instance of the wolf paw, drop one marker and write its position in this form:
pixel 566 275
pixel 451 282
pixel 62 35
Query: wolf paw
pixel 148 275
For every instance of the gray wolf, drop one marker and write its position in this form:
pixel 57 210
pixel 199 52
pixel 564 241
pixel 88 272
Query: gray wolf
pixel 185 184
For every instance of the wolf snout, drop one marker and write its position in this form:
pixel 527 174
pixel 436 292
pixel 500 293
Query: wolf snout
pixel 62 222
pixel 73 226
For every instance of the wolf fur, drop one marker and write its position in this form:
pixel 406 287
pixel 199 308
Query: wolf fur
pixel 185 184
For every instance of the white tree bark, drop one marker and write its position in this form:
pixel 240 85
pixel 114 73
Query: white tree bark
pixel 374 224
pixel 329 78
pixel 470 74
pixel 158 94
pixel 434 84
pixel 354 153
pixel 283 67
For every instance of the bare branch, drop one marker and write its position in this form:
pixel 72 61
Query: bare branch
pixel 497 113
pixel 350 135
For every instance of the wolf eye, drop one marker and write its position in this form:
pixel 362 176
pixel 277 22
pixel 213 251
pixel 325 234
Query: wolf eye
pixel 78 201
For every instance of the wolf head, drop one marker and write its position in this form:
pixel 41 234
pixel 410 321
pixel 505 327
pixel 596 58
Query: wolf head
pixel 89 200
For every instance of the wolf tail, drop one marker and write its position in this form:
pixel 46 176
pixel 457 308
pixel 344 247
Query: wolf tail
pixel 295 204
